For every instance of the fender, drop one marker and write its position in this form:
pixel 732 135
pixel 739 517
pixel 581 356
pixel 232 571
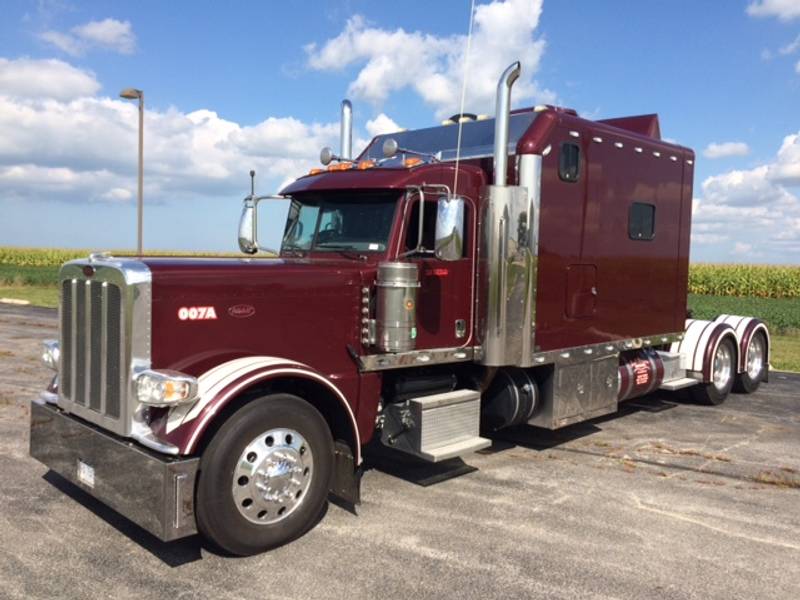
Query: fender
pixel 223 383
pixel 745 328
pixel 699 344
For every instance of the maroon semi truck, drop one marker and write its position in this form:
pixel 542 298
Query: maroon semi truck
pixel 425 295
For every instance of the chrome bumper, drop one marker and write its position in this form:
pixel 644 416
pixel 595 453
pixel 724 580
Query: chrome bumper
pixel 154 491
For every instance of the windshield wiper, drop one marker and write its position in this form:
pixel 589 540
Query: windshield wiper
pixel 343 249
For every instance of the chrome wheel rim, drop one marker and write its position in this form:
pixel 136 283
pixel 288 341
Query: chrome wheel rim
pixel 272 476
pixel 755 358
pixel 723 366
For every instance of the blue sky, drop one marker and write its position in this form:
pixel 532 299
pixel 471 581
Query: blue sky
pixel 258 86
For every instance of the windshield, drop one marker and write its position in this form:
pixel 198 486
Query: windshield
pixel 336 222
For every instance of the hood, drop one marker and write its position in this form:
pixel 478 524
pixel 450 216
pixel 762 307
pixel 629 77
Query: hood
pixel 207 311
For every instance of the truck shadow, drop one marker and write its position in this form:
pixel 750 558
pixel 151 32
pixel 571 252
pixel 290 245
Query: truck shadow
pixel 538 438
pixel 173 554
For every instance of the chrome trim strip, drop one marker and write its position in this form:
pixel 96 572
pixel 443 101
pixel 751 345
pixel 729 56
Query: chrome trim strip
pixel 560 356
pixel 87 336
pixel 73 330
pixel 103 345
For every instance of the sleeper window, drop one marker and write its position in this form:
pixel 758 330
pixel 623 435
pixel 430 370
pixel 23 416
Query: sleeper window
pixel 642 221
pixel 569 162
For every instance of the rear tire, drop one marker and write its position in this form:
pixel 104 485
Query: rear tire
pixel 723 374
pixel 265 475
pixel 755 365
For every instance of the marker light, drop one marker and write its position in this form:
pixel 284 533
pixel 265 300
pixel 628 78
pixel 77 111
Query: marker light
pixel 165 388
pixel 315 171
pixel 50 354
pixel 342 166
pixel 412 162
pixel 366 164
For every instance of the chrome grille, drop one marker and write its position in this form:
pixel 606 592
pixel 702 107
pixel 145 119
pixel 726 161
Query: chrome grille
pixel 91 342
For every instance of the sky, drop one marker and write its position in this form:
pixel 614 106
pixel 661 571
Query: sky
pixel 231 87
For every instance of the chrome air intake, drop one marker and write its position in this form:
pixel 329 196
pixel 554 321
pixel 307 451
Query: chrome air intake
pixel 397 306
pixel 104 338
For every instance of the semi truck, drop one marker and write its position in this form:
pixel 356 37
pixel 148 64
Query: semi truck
pixel 448 282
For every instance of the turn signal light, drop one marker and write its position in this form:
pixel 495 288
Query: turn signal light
pixel 165 388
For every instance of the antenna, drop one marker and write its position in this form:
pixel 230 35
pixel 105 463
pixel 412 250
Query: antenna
pixel 252 182
pixel 463 95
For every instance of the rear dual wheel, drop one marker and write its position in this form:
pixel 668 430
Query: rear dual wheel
pixel 723 375
pixel 265 475
pixel 755 365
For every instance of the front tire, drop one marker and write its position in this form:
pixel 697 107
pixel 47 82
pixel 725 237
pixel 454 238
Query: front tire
pixel 265 475
pixel 723 374
pixel 755 365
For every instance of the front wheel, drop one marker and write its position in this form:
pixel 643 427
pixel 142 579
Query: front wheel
pixel 723 374
pixel 264 477
pixel 755 365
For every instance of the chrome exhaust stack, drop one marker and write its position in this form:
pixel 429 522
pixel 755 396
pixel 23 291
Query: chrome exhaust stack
pixel 346 131
pixel 501 118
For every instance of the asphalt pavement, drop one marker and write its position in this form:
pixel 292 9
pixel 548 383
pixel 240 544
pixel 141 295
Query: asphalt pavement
pixel 665 499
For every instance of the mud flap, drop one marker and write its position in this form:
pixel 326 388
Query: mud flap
pixel 346 480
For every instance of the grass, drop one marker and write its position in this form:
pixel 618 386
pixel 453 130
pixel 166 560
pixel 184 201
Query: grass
pixel 785 354
pixel 780 314
pixel 37 295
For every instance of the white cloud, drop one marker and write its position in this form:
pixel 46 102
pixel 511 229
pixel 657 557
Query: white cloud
pixel 725 149
pixel 755 204
pixel 108 34
pixel 29 78
pixel 785 10
pixel 433 66
pixel 786 169
pixel 797 67
pixel 791 47
pixel 60 141
pixel 381 124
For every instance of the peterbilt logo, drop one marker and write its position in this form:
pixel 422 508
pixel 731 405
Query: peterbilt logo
pixel 242 311
pixel 197 313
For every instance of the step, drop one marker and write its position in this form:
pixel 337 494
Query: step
pixel 455 449
pixel 678 384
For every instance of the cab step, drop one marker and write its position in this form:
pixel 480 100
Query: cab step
pixel 436 427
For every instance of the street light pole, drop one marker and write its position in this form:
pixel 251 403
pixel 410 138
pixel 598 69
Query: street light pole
pixel 134 94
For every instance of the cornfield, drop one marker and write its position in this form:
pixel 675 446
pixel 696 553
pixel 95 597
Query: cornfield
pixel 759 281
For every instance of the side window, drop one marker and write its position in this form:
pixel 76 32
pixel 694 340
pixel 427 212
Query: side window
pixel 569 162
pixel 429 226
pixel 642 221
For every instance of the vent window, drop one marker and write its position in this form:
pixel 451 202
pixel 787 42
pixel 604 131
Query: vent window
pixel 569 162
pixel 642 221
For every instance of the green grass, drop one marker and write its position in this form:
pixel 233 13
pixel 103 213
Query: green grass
pixel 785 355
pixel 15 275
pixel 780 314
pixel 37 295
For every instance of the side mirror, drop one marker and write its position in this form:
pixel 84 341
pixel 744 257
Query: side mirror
pixel 390 147
pixel 326 155
pixel 450 228
pixel 248 232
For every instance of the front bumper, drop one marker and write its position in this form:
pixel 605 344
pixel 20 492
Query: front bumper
pixel 154 491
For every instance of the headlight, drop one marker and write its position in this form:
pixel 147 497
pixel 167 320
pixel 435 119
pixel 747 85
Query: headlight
pixel 165 388
pixel 50 354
